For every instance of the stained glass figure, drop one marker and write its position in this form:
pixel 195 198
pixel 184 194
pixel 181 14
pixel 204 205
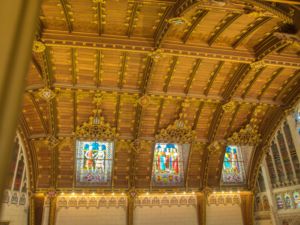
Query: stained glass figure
pixel 288 201
pixel 279 201
pixel 296 198
pixel 168 164
pixel 93 163
pixel 233 166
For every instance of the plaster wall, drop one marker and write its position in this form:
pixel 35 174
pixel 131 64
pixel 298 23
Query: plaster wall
pixel 14 214
pixel 224 215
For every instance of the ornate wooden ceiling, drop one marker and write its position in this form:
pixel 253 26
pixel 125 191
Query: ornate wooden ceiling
pixel 222 65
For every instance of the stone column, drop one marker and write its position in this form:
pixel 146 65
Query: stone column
pixel 36 208
pixel 18 21
pixel 269 192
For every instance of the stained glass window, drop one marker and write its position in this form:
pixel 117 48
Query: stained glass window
pixel 288 201
pixel 279 201
pixel 93 163
pixel 296 198
pixel 233 166
pixel 168 164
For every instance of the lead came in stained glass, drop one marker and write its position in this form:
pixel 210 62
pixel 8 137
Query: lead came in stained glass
pixel 233 168
pixel 93 163
pixel 168 165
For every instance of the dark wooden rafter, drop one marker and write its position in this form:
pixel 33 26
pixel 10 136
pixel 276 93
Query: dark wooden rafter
pixel 197 19
pixel 160 108
pixel 197 116
pixel 252 81
pixel 117 115
pixel 100 15
pixel 213 76
pixel 74 110
pixel 252 27
pixel 40 114
pixel 192 75
pixel 223 24
pixel 215 122
pixel 238 76
pixel 172 66
pixel 284 89
pixel 98 68
pixel 232 119
pixel 269 82
pixel 134 13
pixel 122 69
pixel 73 65
pixel 66 9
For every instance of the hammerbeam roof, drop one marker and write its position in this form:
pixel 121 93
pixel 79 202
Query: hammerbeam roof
pixel 183 57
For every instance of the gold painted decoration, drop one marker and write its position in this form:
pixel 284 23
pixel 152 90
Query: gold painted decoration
pixel 257 65
pixel 156 55
pixel 178 21
pixel 46 93
pixel 214 147
pixel 178 132
pixel 96 128
pixel 144 101
pixel 52 141
pixel 38 47
pixel 288 38
pixel 246 136
pixel 229 106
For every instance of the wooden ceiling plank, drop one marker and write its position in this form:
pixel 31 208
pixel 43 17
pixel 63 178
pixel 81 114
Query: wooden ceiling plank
pixel 198 18
pixel 251 28
pixel 250 84
pixel 233 117
pixel 283 90
pixel 223 24
pixel 269 82
pixel 66 14
pixel 40 114
pixel 37 67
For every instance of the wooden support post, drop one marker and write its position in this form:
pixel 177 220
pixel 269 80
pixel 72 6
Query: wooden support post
pixel 18 23
pixel 201 208
pixel 36 208
pixel 247 207
pixel 52 210
pixel 130 207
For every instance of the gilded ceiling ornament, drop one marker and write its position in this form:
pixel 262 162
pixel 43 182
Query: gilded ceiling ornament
pixel 96 128
pixel 98 97
pixel 245 136
pixel 257 65
pixel 214 147
pixel 46 93
pixel 178 21
pixel 52 141
pixel 99 1
pixel 156 55
pixel 178 132
pixel 229 106
pixel 144 101
pixel 38 47
pixel 288 38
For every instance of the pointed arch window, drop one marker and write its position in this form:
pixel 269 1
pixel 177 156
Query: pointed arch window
pixel 94 163
pixel 235 165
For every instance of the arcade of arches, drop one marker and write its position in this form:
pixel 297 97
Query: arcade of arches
pixel 150 112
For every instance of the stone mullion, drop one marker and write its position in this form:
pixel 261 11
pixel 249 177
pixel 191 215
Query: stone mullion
pixel 295 136
pixel 274 166
pixel 281 160
pixel 289 154
pixel 269 192
pixel 16 167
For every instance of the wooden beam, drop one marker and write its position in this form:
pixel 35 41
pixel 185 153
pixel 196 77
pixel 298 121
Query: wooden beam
pixel 133 15
pixel 146 46
pixel 251 28
pixel 98 68
pixel 223 24
pixel 215 123
pixel 197 116
pixel 252 81
pixel 122 69
pixel 171 70
pixel 233 117
pixel 73 65
pixel 66 11
pixel 198 18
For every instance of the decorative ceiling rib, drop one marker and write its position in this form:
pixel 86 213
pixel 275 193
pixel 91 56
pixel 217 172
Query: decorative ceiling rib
pixel 214 64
